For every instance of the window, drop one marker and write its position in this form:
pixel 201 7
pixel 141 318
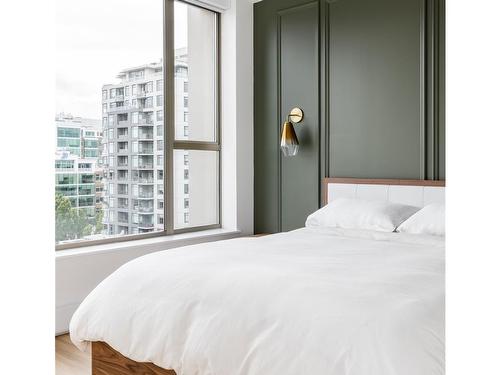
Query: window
pixel 65 164
pixel 115 144
pixel 135 117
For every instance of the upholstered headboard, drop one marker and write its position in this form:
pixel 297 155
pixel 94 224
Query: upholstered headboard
pixel 412 192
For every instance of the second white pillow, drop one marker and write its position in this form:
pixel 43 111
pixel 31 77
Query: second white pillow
pixel 429 220
pixel 361 214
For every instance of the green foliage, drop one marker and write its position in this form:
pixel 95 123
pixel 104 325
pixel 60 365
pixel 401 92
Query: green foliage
pixel 98 221
pixel 71 223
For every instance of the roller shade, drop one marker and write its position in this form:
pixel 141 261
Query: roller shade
pixel 217 5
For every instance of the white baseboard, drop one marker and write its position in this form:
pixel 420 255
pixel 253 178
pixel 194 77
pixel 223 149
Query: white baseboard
pixel 63 317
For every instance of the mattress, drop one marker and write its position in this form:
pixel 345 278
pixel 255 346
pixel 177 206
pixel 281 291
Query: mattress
pixel 310 301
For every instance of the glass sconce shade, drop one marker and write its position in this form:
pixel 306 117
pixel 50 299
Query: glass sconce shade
pixel 289 141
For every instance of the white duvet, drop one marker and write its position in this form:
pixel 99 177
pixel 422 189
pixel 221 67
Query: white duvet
pixel 312 301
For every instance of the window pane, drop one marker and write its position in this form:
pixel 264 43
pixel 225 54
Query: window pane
pixel 196 188
pixel 109 77
pixel 195 73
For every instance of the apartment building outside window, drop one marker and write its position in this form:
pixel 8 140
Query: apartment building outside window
pixel 159 170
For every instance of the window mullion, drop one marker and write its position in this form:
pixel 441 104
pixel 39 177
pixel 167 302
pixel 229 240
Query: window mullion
pixel 169 114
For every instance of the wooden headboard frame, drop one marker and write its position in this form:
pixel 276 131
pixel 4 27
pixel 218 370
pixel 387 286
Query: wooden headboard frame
pixel 374 181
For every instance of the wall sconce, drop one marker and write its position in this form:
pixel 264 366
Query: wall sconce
pixel 289 142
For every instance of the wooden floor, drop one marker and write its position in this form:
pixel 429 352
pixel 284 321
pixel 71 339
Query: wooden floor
pixel 70 360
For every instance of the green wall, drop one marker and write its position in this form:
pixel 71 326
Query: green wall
pixel 369 76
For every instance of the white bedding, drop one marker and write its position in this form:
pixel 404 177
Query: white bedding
pixel 312 301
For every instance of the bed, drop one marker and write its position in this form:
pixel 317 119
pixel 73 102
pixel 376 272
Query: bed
pixel 316 300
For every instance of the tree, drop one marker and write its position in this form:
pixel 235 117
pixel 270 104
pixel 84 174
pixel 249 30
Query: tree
pixel 71 223
pixel 98 222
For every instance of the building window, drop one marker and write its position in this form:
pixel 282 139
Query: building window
pixel 124 180
pixel 135 117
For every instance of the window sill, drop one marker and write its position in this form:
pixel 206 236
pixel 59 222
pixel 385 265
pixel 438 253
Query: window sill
pixel 152 244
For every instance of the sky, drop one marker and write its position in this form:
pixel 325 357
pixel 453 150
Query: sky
pixel 97 39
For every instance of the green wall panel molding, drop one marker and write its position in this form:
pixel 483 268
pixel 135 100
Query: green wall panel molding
pixel 370 78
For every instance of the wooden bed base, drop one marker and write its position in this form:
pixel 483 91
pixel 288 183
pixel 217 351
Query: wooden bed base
pixel 107 361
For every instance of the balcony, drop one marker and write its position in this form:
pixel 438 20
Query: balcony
pixel 145 121
pixel 145 166
pixel 146 180
pixel 145 136
pixel 145 225
pixel 146 150
pixel 125 108
pixel 124 123
pixel 145 210
pixel 145 194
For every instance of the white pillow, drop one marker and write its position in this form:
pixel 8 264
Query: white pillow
pixel 429 220
pixel 361 214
